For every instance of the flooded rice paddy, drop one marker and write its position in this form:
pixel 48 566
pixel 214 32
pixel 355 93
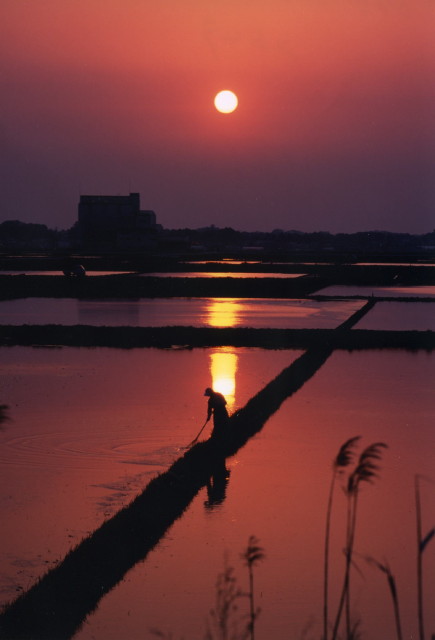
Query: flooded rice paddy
pixel 161 274
pixel 400 316
pixel 380 292
pixel 60 273
pixel 195 312
pixel 222 274
pixel 91 427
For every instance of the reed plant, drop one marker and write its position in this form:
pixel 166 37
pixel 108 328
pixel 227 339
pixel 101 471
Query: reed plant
pixel 384 567
pixel 227 620
pixel 365 471
pixel 224 619
pixel 422 543
pixel 252 555
pixel 343 459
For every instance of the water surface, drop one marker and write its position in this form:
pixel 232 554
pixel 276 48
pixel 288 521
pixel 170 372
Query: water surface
pixel 85 439
pixel 60 273
pixel 196 312
pixel 221 274
pixel 400 316
pixel 423 291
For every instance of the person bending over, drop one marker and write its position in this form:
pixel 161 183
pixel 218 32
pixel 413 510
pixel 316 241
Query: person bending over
pixel 217 408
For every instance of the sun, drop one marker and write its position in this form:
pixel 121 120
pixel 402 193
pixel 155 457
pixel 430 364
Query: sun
pixel 226 101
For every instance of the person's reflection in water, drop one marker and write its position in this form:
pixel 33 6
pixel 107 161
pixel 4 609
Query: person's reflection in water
pixel 217 408
pixel 217 485
pixel 4 414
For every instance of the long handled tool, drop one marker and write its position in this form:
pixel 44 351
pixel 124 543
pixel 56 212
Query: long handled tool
pixel 195 439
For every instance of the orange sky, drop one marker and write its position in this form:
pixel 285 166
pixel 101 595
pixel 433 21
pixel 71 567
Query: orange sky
pixel 334 130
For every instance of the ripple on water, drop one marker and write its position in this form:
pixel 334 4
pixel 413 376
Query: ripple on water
pixel 80 450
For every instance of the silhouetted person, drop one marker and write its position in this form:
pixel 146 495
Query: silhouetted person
pixel 217 409
pixel 74 270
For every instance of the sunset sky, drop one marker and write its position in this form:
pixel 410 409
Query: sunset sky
pixel 335 128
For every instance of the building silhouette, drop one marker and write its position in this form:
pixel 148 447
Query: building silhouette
pixel 114 222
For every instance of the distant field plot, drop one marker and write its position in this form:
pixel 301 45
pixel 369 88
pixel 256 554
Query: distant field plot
pixel 196 312
pixel 399 316
pixel 380 292
pixel 222 274
pixel 59 273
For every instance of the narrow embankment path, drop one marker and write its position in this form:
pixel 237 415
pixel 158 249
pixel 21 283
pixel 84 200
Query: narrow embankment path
pixel 56 606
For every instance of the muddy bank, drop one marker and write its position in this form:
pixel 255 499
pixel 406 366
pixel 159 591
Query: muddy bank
pixel 190 337
pixel 134 287
pixel 318 263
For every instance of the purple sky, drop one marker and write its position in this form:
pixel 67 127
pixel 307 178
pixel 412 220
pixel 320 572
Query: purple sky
pixel 334 131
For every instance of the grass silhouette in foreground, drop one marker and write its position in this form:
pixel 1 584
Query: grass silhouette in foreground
pixel 422 543
pixel 226 621
pixel 384 567
pixel 365 471
pixel 343 459
pixel 253 554
pixel 421 546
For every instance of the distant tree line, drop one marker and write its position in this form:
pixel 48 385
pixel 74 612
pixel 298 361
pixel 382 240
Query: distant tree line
pixel 213 238
pixel 21 236
pixel 29 236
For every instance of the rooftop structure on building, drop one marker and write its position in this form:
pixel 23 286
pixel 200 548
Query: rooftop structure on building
pixel 114 220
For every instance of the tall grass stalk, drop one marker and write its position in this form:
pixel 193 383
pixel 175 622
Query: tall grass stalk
pixel 419 559
pixel 253 554
pixel 343 459
pixel 421 546
pixel 224 618
pixel 393 590
pixel 365 471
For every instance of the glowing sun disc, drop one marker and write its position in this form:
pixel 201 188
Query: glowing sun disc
pixel 226 101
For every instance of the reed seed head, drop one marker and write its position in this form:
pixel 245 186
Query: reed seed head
pixel 366 469
pixel 346 453
pixel 253 552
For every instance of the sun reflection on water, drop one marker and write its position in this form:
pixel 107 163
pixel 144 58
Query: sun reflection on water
pixel 223 369
pixel 222 312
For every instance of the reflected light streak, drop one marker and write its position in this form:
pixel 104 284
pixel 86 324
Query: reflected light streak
pixel 222 312
pixel 223 369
